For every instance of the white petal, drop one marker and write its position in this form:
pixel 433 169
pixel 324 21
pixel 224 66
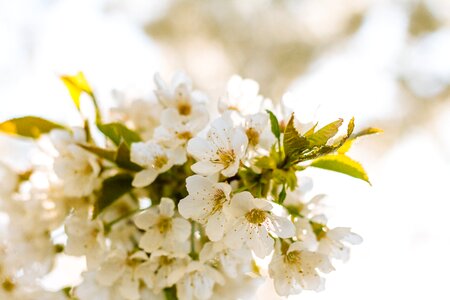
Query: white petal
pixel 281 226
pixel 129 287
pixel 232 169
pixel 261 243
pixel 237 234
pixel 200 149
pixel 191 208
pixel 181 229
pixel 146 219
pixel 112 268
pixel 216 226
pixel 144 178
pixel 206 168
pixel 151 240
pixel 241 203
pixel 220 133
pixel 239 142
pixel 166 207
pixel 198 184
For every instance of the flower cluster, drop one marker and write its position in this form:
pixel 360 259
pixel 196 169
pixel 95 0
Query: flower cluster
pixel 165 201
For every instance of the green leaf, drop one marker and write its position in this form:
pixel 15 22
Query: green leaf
pixel 285 177
pixel 117 132
pixel 282 195
pixel 121 156
pixel 275 125
pixel 342 164
pixel 100 152
pixel 170 293
pixel 112 189
pixel 77 84
pixel 123 160
pixel 294 144
pixel 29 126
pixel 266 162
pixel 321 137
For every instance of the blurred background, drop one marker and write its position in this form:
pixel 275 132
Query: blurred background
pixel 385 62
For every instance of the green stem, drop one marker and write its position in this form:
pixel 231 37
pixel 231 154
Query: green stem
pixel 193 253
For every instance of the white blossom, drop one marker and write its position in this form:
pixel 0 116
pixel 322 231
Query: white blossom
pixel 206 204
pixel 232 262
pixel 118 269
pixel 334 242
pixel 174 131
pixel 85 237
pixel 199 282
pixel 242 96
pixel 297 269
pixel 222 151
pixel 180 96
pixel 155 159
pixel 254 223
pixel 140 115
pixel 163 269
pixel 258 131
pixel 162 229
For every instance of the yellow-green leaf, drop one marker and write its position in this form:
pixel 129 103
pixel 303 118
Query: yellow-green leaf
pixel 342 164
pixel 118 132
pixel 294 144
pixel 77 84
pixel 29 126
pixel 367 131
pixel 321 136
pixel 349 142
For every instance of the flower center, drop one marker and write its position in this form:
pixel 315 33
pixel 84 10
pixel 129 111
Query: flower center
pixel 8 285
pixel 226 158
pixel 219 199
pixel 256 216
pixel 293 257
pixel 160 161
pixel 253 136
pixel 164 225
pixel 319 230
pixel 184 107
pixel 165 260
pixel 185 135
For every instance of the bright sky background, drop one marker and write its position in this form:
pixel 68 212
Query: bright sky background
pixel 403 217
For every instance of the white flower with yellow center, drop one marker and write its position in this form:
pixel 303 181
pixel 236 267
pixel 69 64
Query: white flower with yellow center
pixel 155 159
pixel 296 269
pixel 163 269
pixel 77 168
pixel 79 171
pixel 179 95
pixel 206 204
pixel 258 131
pixel 162 229
pixel 222 151
pixel 333 242
pixel 199 282
pixel 254 223
pixel 85 237
pixel 118 270
pixel 232 262
pixel 242 96
pixel 174 131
